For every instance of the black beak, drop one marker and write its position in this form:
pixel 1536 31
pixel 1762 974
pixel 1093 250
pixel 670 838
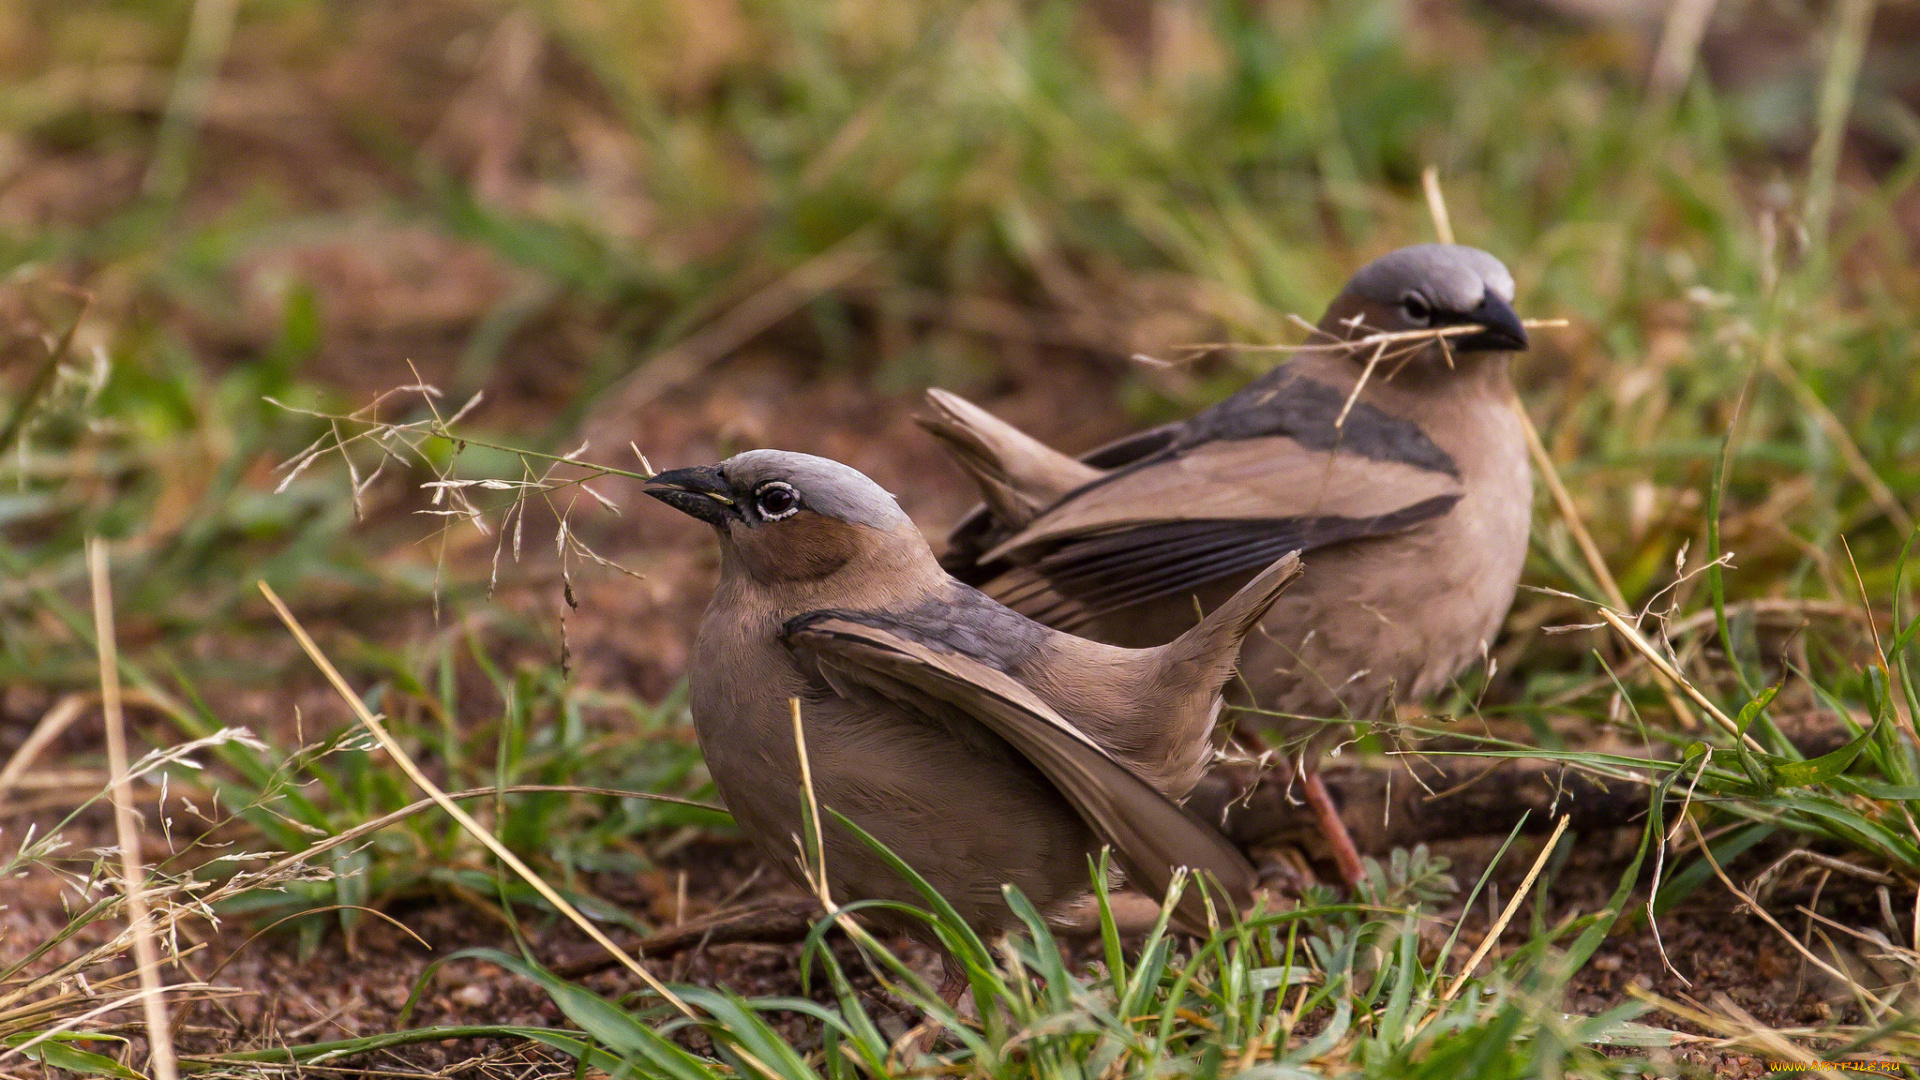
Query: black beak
pixel 1500 329
pixel 697 492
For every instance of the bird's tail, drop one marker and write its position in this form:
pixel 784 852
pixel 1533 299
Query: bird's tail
pixel 1208 653
pixel 1018 475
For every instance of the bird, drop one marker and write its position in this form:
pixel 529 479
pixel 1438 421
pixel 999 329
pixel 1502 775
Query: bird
pixel 982 748
pixel 1396 466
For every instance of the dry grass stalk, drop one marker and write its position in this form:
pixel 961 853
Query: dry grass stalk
pixel 132 873
pixel 1671 684
pixel 52 723
pixel 474 828
pixel 1762 883
pixel 1843 442
pixel 1410 339
pixel 1506 915
pixel 818 856
pixel 74 1023
pixel 813 864
pixel 43 376
pixel 1569 512
pixel 209 30
pixel 1436 204
pixel 1753 905
pixel 28 1001
pixel 1680 35
pixel 1360 384
pixel 1837 86
pixel 1667 671
pixel 1543 462
pixel 405 812
pixel 1787 609
pixel 451 498
pixel 1745 1030
pixel 813 867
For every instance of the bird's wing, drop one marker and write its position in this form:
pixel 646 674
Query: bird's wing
pixel 1150 835
pixel 1128 449
pixel 985 526
pixel 1215 511
pixel 1018 474
pixel 1271 478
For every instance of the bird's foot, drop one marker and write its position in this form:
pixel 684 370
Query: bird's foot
pixel 1327 815
pixel 956 991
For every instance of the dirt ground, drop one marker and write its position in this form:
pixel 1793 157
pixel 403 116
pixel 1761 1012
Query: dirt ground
pixel 1713 954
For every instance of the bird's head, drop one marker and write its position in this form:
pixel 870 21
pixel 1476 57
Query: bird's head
pixel 785 517
pixel 1424 287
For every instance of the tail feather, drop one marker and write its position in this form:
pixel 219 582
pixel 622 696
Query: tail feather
pixel 1018 475
pixel 1210 651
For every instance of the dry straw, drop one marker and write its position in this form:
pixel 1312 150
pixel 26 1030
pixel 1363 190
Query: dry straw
pixel 146 951
pixel 1506 915
pixel 474 828
pixel 813 867
pixel 1562 498
pixel 452 808
pixel 51 724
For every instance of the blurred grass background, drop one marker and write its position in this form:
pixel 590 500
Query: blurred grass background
pixel 704 224
pixel 300 199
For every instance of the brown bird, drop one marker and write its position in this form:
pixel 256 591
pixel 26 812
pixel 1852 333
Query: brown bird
pixel 981 747
pixel 1410 500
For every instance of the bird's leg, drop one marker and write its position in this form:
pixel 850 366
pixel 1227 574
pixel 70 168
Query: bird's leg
pixel 953 987
pixel 1345 855
pixel 953 983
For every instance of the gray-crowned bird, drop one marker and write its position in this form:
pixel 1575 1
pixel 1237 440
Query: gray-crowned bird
pixel 981 747
pixel 1410 503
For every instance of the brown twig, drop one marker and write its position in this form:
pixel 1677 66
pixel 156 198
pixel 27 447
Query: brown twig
pixel 160 1056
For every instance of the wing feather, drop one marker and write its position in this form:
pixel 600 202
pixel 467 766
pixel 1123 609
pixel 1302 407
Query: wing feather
pixel 1150 835
pixel 1263 479
pixel 1080 579
pixel 982 528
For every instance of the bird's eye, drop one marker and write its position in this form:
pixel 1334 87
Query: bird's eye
pixel 776 500
pixel 1414 306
